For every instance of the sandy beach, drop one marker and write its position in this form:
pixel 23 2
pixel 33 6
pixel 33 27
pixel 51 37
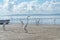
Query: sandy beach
pixel 35 32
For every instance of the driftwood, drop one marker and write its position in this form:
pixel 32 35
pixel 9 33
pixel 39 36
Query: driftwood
pixel 37 21
pixel 4 22
pixel 25 26
pixel 22 23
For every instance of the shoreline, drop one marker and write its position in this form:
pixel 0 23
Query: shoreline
pixel 40 32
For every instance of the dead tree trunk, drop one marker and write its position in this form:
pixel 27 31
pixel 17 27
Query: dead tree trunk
pixel 4 26
pixel 22 23
pixel 25 26
pixel 37 21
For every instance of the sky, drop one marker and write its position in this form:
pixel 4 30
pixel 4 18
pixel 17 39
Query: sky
pixel 29 6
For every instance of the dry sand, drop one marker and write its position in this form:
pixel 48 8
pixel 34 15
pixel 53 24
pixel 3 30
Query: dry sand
pixel 41 32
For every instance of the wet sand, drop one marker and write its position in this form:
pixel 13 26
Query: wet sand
pixel 35 32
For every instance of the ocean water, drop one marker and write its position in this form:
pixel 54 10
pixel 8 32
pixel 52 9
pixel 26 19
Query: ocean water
pixel 32 19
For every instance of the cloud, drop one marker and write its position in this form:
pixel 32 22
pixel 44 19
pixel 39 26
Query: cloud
pixel 35 7
pixel 46 7
pixel 21 8
pixel 27 7
pixel 4 7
